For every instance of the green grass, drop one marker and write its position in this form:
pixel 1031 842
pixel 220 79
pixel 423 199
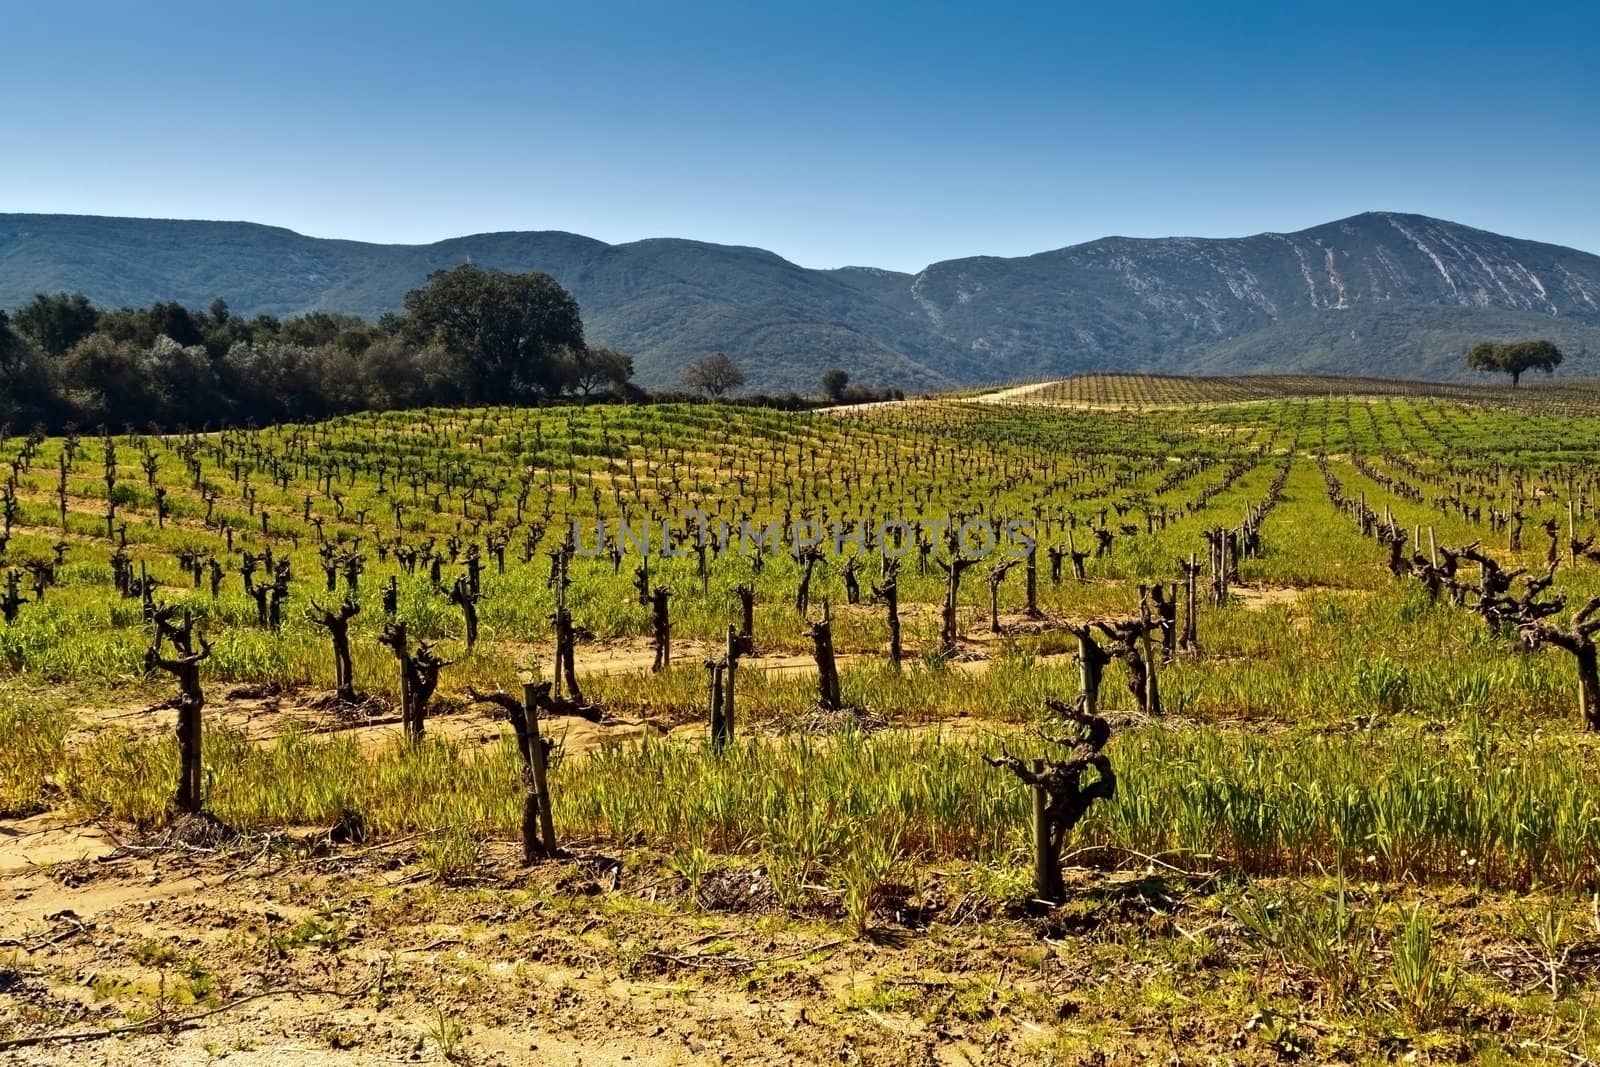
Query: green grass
pixel 1335 716
pixel 1488 806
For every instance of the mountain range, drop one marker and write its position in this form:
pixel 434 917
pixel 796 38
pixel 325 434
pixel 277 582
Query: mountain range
pixel 1380 293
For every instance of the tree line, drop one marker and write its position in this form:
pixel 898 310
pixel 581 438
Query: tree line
pixel 468 336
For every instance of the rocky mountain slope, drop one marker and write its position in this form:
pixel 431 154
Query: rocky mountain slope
pixel 1378 293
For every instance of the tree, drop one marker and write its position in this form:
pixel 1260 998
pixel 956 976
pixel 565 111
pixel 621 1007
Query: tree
pixel 397 375
pixel 184 383
pixel 27 388
pixel 109 382
pixel 142 327
pixel 56 323
pixel 509 328
pixel 1514 357
pixel 12 347
pixel 318 328
pixel 597 367
pixel 713 375
pixel 834 383
pixel 172 319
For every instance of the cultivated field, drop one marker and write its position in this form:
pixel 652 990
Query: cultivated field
pixel 1355 813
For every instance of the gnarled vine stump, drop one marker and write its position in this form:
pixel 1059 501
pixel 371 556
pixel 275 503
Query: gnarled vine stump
pixel 821 634
pixel 952 590
pixel 538 826
pixel 337 625
pixel 184 666
pixel 1577 639
pixel 661 627
pixel 1061 799
pixel 889 593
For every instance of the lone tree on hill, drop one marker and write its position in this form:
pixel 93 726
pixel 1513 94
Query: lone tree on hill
pixel 713 375
pixel 1514 357
pixel 834 382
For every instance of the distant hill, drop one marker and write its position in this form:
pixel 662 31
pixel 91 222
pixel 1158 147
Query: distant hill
pixel 1376 294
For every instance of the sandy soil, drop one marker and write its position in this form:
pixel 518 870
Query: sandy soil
pixel 1012 395
pixel 186 948
pixel 288 952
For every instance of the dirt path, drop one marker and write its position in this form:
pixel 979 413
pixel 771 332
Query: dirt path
pixel 999 396
pixel 1011 395
pixel 871 405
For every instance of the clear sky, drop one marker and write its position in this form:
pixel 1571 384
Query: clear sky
pixel 887 134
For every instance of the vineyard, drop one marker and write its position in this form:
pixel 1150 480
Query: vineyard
pixel 1113 719
pixel 1144 391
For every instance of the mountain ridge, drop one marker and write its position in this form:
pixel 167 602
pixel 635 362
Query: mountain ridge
pixel 1406 292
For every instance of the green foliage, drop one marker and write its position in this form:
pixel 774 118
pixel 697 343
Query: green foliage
pixel 1337 717
pixel 511 329
pixel 56 322
pixel 852 809
pixel 171 367
pixel 1326 934
pixel 1424 985
pixel 1514 357
pixel 33 740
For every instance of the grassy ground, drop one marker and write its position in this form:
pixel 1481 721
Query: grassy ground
pixel 1364 829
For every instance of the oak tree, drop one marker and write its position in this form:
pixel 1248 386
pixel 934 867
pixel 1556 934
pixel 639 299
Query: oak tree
pixel 1514 357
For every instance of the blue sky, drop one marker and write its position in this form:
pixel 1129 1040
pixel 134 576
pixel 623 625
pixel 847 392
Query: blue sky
pixel 888 134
